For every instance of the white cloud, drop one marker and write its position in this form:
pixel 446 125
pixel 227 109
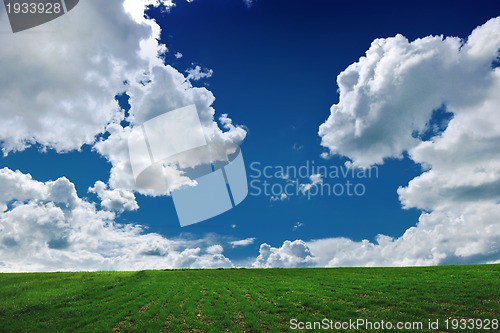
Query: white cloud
pixel 388 96
pixel 297 226
pixel 282 197
pixel 47 227
pixel 465 236
pixel 315 179
pixel 167 89
pixel 235 133
pixel 390 93
pixel 115 200
pixel 115 150
pixel 242 242
pixel 194 258
pixel 178 55
pixel 17 186
pixel 197 73
pixel 326 156
pixel 215 249
pixel 66 97
pixel 290 254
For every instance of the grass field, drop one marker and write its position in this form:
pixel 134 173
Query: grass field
pixel 243 300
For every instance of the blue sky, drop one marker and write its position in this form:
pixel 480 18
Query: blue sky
pixel 275 66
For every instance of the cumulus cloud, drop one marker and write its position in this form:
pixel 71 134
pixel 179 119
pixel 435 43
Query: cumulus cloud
pixel 388 96
pixel 47 227
pixel 215 249
pixel 290 254
pixel 115 149
pixel 243 242
pixel 115 200
pixel 167 89
pixel 68 73
pixel 234 133
pixel 390 93
pixel 66 98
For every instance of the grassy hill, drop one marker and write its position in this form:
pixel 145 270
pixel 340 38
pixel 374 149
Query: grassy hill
pixel 245 300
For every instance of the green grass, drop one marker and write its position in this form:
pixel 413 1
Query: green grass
pixel 242 300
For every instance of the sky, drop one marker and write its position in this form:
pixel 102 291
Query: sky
pixel 369 132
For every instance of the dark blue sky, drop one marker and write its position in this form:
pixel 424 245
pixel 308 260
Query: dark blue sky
pixel 275 66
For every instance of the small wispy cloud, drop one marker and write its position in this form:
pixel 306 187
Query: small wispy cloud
pixel 297 226
pixel 326 156
pixel 315 180
pixel 243 242
pixel 249 3
pixel 198 73
pixel 282 197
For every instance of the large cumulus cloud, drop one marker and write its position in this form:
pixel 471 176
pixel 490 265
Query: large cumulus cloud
pixel 385 99
pixel 390 93
pixel 60 83
pixel 60 79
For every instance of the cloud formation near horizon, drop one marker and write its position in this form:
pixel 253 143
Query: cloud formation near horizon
pixel 388 96
pixel 47 227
